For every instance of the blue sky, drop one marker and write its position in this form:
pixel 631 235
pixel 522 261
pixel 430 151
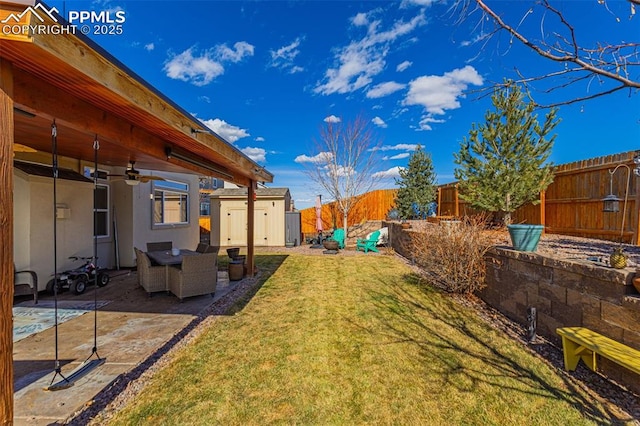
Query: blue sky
pixel 267 75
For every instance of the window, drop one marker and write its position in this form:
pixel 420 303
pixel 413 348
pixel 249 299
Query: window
pixel 101 210
pixel 170 203
pixel 101 205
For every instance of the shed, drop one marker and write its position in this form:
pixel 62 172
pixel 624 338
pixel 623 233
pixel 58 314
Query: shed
pixel 229 216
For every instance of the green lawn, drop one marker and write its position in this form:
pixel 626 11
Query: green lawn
pixel 355 340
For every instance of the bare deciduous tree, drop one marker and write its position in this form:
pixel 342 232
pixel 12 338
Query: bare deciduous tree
pixel 604 67
pixel 344 162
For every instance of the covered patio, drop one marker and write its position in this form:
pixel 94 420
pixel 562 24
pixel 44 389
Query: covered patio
pixel 66 82
pixel 133 328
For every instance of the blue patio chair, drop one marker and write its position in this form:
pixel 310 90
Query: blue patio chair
pixel 368 244
pixel 338 235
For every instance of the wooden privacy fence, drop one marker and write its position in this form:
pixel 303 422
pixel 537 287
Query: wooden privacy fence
pixel 572 204
pixel 373 205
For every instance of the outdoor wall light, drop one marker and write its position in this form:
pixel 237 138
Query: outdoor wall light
pixel 636 161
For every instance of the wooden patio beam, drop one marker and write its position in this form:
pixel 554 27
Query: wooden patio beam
pixel 6 236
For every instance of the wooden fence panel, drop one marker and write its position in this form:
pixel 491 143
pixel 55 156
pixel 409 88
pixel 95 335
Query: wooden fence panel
pixel 571 205
pixel 374 205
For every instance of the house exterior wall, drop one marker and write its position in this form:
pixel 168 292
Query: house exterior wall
pixel 33 241
pixel 33 224
pixel 182 236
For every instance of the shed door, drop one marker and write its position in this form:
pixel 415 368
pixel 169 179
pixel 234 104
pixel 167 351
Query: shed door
pixel 237 227
pixel 260 228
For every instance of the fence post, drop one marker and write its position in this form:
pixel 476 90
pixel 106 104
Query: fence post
pixel 635 223
pixel 457 206
pixel 543 210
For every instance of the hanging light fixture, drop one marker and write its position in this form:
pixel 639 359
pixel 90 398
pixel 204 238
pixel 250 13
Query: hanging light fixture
pixel 611 203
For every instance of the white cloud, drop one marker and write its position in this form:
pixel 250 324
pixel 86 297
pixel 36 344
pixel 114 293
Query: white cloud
pixel 397 147
pixel 379 122
pixel 201 68
pixel 198 70
pixel 283 57
pixel 321 158
pixel 384 89
pixel 424 122
pixel 229 132
pixel 340 171
pixel 403 66
pixel 397 156
pixel 391 173
pixel 204 98
pixel 332 119
pixel 440 93
pixel 240 50
pixel 361 60
pixel 423 3
pixel 360 19
pixel 149 47
pixel 258 155
pixel 259 139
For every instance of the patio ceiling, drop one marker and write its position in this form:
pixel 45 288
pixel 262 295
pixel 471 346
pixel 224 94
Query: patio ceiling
pixel 69 79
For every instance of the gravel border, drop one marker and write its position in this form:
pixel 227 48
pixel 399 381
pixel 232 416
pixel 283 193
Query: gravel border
pixel 622 404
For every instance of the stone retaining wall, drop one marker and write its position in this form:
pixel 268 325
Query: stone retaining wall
pixel 564 293
pixel 567 293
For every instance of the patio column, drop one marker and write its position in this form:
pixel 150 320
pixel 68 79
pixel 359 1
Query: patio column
pixel 251 195
pixel 6 236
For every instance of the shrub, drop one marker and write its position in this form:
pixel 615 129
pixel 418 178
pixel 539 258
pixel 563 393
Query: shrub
pixel 452 253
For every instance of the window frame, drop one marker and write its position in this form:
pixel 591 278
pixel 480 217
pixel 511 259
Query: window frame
pixel 164 187
pixel 103 183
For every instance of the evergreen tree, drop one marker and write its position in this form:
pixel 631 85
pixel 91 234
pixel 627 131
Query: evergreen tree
pixel 503 163
pixel 417 185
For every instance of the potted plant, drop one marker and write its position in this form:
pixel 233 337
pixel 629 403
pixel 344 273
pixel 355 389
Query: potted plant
pixel 503 163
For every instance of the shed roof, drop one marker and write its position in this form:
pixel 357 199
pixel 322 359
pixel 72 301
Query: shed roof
pixel 242 193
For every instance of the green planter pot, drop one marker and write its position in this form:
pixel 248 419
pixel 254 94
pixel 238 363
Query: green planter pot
pixel 525 237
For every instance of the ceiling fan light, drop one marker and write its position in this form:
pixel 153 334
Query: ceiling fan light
pixel 132 182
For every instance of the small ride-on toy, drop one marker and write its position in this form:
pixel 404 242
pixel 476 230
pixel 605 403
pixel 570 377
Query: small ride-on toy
pixel 77 279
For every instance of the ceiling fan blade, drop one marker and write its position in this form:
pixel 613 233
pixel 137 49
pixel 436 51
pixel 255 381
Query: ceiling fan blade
pixel 18 147
pixel 147 178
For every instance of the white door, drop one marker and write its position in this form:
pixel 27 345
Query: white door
pixel 236 227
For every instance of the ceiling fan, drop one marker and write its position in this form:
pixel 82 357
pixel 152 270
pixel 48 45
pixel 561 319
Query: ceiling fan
pixel 133 177
pixel 18 147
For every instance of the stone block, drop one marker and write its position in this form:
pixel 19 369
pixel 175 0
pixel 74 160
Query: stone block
pixel 547 326
pixel 620 316
pixel 599 326
pixel 631 302
pixel 631 338
pixel 565 315
pixel 574 299
pixel 533 271
pixel 606 290
pixel 542 304
pixel 590 305
pixel 555 293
